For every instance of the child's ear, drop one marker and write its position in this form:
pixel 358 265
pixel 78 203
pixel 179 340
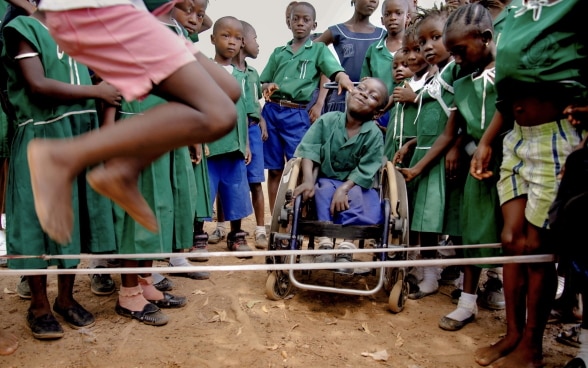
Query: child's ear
pixel 314 25
pixel 487 36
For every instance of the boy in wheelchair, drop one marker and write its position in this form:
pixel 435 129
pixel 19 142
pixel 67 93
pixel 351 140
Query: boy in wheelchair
pixel 347 149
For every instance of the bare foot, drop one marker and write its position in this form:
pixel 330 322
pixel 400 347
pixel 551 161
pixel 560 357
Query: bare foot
pixel 51 184
pixel 118 183
pixel 8 343
pixel 489 354
pixel 520 358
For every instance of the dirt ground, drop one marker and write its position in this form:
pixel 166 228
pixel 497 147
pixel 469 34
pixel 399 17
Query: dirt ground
pixel 229 322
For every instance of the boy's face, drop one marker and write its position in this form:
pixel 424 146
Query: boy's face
pixel 414 57
pixel 250 45
pixel 302 21
pixel 400 68
pixel 192 15
pixel 395 16
pixel 430 33
pixel 367 98
pixel 228 38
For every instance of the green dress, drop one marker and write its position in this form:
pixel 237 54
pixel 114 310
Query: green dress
pixel 435 204
pixel 481 219
pixel 169 187
pixel 93 229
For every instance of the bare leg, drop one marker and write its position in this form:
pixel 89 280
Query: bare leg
pixel 514 283
pixel 203 115
pixel 8 343
pixel 258 203
pixel 131 296
pixel 39 302
pixel 273 182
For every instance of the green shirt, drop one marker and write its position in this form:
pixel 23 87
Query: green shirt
pixel 253 93
pixel 378 63
pixel 543 52
pixel 57 65
pixel 298 74
pixel 357 158
pixel 236 139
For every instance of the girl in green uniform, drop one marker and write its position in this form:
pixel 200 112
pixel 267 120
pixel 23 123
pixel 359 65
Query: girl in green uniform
pixel 52 97
pixel 468 36
pixel 436 200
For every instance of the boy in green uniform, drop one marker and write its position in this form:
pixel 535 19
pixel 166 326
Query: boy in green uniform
pixel 226 160
pixel 347 147
pixel 289 79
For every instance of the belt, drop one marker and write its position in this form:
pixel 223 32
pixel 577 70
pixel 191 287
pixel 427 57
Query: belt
pixel 286 103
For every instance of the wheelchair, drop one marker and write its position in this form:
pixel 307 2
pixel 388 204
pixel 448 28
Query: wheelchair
pixel 294 221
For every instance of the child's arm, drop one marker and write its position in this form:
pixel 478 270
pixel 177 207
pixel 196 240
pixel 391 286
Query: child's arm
pixel 34 74
pixel 483 154
pixel 403 151
pixel 344 82
pixel 268 90
pixel 577 115
pixel 441 145
pixel 340 201
pixel 263 127
pixel 23 4
pixel 317 108
pixel 306 188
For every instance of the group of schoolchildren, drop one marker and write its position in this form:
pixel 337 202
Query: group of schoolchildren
pixel 480 128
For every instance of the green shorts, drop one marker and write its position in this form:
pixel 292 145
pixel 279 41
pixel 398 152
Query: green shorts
pixel 532 159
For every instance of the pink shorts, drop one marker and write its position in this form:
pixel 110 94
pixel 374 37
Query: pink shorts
pixel 127 47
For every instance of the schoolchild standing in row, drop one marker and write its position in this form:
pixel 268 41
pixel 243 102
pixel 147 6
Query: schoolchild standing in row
pixel 52 97
pixel 226 161
pixel 288 82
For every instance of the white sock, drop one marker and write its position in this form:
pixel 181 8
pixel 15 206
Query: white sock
pixel 259 230
pixel 583 351
pixel 430 281
pixel 179 262
pixel 465 307
pixel 157 277
pixel 222 226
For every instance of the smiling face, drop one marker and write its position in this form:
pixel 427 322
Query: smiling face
pixel 367 98
pixel 227 37
pixel 395 15
pixel 430 35
pixel 302 21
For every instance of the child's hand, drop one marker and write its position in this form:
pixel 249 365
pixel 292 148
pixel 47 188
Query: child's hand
pixel 306 189
pixel 400 154
pixel 247 154
pixel 409 173
pixel 263 127
pixel 340 201
pixel 452 162
pixel 196 153
pixel 576 115
pixel 404 94
pixel 109 94
pixel 269 91
pixel 315 112
pixel 479 163
pixel 344 82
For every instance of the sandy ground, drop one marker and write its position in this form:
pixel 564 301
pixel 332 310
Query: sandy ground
pixel 229 322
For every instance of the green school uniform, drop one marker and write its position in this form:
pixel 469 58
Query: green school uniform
pixel 4 131
pixel 552 50
pixel 481 217
pixel 236 139
pixel 378 63
pixel 500 19
pixel 298 74
pixel 253 93
pixel 342 158
pixel 36 117
pixel 402 124
pixel 436 204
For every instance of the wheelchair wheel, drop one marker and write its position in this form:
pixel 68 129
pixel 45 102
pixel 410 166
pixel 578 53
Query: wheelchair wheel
pixel 288 181
pixel 394 188
pixel 277 285
pixel 399 292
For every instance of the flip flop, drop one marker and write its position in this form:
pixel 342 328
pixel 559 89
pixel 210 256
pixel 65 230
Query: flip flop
pixel 150 315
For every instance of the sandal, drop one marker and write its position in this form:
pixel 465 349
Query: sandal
pixel 150 315
pixel 169 301
pixel 570 337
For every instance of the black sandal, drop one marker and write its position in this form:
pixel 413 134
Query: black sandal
pixel 150 315
pixel 170 301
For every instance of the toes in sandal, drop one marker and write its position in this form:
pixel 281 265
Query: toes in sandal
pixel 150 315
pixel 170 301
pixel 570 337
